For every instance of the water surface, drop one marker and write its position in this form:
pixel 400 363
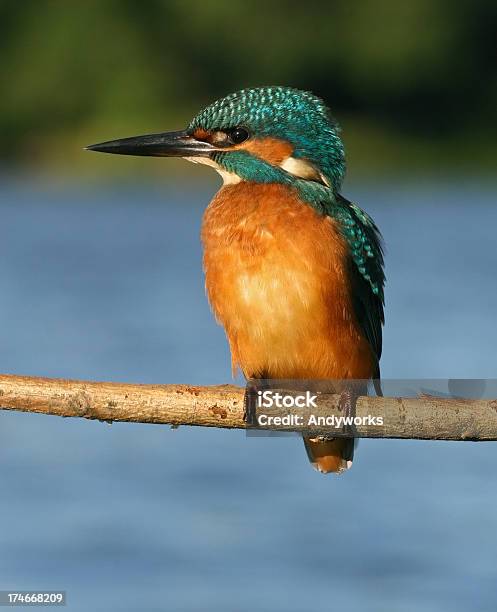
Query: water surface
pixel 106 284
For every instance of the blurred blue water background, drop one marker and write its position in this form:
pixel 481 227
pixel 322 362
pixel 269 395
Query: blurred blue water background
pixel 106 283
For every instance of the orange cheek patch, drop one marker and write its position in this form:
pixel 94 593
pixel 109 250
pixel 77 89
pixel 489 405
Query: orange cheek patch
pixel 272 150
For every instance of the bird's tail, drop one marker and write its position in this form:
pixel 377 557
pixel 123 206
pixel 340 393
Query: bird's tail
pixel 334 455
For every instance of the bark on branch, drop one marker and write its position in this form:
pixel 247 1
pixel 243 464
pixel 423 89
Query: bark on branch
pixel 424 417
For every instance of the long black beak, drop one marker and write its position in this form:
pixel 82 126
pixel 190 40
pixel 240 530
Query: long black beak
pixel 166 144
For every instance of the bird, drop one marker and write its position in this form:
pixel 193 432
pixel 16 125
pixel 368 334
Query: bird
pixel 294 271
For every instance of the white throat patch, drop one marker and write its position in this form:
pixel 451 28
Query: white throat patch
pixel 229 178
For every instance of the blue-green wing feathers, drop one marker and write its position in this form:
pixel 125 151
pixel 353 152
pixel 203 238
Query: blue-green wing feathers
pixel 365 267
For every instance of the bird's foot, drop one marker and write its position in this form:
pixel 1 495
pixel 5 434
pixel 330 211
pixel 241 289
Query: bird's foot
pixel 249 400
pixel 347 405
pixel 347 402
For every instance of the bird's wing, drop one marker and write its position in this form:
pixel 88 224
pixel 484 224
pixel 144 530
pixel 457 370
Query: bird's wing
pixel 366 268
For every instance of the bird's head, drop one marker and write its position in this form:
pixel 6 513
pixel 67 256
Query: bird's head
pixel 263 134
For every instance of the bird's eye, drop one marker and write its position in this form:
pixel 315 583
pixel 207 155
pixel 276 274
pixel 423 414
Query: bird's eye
pixel 238 135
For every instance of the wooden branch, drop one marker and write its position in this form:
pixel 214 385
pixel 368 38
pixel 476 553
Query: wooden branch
pixel 424 417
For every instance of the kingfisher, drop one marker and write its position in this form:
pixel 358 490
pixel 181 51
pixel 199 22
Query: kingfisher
pixel 294 271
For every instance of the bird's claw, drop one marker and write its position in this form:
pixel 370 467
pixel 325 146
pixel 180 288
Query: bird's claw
pixel 347 405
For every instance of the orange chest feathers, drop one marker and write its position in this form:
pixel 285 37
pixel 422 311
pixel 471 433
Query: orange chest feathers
pixel 276 278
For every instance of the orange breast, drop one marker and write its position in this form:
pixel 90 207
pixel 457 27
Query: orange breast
pixel 277 281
